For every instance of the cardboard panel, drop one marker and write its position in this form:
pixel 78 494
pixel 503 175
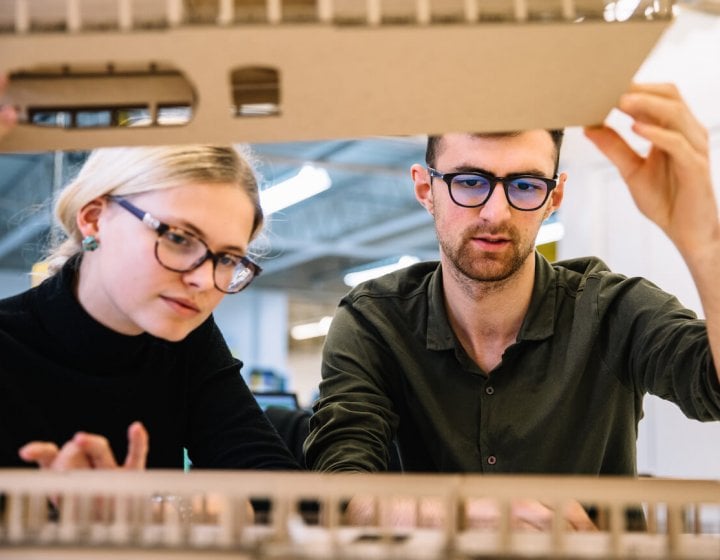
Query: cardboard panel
pixel 332 81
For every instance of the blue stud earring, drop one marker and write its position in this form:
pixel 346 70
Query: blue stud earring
pixel 90 243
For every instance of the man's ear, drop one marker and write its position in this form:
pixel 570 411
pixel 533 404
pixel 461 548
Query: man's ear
pixel 88 217
pixel 423 189
pixel 556 196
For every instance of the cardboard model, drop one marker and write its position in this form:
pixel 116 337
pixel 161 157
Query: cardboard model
pixel 100 73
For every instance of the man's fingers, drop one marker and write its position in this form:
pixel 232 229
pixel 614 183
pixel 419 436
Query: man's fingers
pixel 670 113
pixel 531 515
pixel 666 89
pixel 41 452
pixel 8 115
pixel 672 143
pixel 96 449
pixel 8 118
pixel 578 518
pixel 138 445
pixel 615 149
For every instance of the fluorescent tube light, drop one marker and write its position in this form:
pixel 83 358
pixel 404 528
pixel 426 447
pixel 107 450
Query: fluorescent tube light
pixel 311 330
pixel 309 181
pixel 354 278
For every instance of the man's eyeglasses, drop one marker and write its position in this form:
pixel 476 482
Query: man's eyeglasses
pixel 471 189
pixel 181 251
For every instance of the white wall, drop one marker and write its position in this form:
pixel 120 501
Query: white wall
pixel 601 219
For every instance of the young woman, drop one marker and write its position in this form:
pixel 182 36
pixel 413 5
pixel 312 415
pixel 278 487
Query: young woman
pixel 115 360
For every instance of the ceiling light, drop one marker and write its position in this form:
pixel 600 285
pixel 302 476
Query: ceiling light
pixel 309 181
pixel 373 271
pixel 317 329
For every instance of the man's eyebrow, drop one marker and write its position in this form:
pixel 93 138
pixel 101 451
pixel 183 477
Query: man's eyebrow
pixel 473 169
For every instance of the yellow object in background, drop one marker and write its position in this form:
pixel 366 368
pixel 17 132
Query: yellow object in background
pixel 38 273
pixel 548 250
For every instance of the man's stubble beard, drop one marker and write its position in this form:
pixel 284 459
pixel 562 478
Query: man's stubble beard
pixel 495 267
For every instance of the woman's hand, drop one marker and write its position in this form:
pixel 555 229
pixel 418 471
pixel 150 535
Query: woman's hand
pixel 88 451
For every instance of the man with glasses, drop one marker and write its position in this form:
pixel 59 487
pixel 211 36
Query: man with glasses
pixel 495 360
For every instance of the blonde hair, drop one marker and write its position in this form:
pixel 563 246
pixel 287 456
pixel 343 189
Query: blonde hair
pixel 126 171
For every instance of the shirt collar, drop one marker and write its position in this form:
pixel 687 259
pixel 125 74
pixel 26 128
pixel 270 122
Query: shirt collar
pixel 73 333
pixel 539 322
pixel 439 334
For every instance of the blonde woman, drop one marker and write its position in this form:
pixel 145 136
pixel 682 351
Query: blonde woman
pixel 115 360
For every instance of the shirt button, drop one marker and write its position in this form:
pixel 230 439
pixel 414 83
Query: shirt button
pixel 489 390
pixel 492 460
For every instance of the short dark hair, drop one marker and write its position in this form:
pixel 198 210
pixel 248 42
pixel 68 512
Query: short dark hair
pixel 433 143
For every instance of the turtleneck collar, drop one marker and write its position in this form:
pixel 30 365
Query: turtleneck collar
pixel 74 335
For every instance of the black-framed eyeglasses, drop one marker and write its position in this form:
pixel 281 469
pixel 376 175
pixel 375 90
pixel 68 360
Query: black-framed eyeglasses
pixel 180 251
pixel 471 189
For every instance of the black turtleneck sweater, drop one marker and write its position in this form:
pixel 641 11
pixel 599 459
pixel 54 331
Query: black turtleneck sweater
pixel 61 371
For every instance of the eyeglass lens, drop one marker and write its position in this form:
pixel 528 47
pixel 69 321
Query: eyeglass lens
pixel 181 252
pixel 474 190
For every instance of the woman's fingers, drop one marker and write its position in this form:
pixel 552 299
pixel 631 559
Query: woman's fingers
pixel 41 452
pixel 71 457
pixel 88 451
pixel 96 450
pixel 138 446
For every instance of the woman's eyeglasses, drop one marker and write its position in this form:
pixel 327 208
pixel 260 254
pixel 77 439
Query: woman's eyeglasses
pixel 181 251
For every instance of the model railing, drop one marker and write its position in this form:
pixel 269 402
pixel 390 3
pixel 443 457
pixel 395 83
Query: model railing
pixel 307 515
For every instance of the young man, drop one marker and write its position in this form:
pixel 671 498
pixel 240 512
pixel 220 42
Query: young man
pixel 495 360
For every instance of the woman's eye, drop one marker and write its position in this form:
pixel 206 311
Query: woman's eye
pixel 178 238
pixel 230 261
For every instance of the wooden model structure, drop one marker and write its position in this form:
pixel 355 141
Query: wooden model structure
pixel 88 73
pixel 202 514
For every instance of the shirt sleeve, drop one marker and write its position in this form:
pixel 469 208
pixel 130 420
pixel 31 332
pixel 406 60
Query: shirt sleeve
pixel 226 427
pixel 354 420
pixel 659 347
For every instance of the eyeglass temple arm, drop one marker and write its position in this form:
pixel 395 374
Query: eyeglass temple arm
pixel 145 217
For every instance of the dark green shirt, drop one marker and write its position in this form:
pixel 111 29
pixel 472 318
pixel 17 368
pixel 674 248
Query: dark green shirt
pixel 566 397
